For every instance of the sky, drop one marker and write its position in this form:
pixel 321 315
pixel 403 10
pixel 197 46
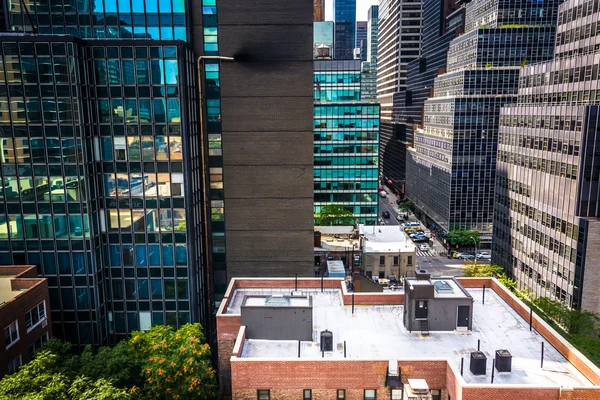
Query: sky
pixel 362 7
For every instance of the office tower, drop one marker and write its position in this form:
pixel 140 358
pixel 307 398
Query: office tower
pixel 98 134
pixel 361 39
pixel 452 167
pixel 372 34
pixel 344 13
pixel 441 23
pixel 346 139
pixel 323 34
pixel 398 44
pixel 319 10
pixel 368 82
pixel 546 225
pixel 260 164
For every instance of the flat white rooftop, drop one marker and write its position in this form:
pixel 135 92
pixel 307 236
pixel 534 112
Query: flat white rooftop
pixel 377 333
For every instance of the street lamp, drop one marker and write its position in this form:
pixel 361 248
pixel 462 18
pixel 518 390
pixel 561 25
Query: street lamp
pixel 475 241
pixel 209 303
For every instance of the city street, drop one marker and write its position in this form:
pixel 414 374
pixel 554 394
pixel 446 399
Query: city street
pixel 430 260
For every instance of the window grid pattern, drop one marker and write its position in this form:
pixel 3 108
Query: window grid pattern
pixel 453 162
pixel 551 136
pixel 109 19
pixel 95 185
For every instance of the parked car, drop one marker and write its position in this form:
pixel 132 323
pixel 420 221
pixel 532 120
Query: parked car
pixel 383 194
pixel 400 218
pixel 385 214
pixel 423 247
pixel 484 255
pixel 465 256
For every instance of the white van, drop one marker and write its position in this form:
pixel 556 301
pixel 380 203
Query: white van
pixel 383 194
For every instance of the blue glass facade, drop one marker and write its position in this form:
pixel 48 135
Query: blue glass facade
pixel 345 28
pixel 101 180
pixel 346 141
pixel 148 19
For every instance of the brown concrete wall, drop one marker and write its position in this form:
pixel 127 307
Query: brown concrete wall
pixel 267 114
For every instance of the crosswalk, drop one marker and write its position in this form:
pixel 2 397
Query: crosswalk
pixel 429 253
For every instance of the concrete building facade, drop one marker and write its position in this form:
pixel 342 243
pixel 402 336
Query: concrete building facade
pixel 453 163
pixel 399 43
pixel 546 228
pixel 387 251
pixel 262 103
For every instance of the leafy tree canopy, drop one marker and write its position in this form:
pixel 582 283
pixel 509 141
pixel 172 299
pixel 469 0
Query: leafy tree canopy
pixel 161 363
pixel 406 206
pixel 463 238
pixel 334 215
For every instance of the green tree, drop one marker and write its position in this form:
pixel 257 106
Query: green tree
pixel 175 364
pixel 482 270
pixel 41 380
pixel 334 215
pixel 406 206
pixel 524 62
pixel 463 238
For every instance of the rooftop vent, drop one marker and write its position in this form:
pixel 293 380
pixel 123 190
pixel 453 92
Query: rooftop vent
pixel 478 361
pixel 443 287
pixel 503 360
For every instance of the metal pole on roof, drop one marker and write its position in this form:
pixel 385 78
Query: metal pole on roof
pixel 478 344
pixel 296 289
pixel 542 358
pixel 483 299
pixel 298 349
pixel 352 303
pixel 530 319
pixel 493 366
pixel 322 281
pixel 345 349
pixel 462 364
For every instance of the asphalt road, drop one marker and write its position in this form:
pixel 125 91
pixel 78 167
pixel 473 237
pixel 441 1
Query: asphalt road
pixel 431 260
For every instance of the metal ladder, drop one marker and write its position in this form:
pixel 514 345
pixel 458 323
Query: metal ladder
pixel 424 327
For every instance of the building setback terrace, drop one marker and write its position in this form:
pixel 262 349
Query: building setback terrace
pixel 377 332
pixel 270 332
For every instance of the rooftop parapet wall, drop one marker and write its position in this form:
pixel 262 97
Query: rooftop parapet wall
pixel 574 356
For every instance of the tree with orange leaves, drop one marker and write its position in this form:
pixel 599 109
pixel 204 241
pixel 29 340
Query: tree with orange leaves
pixel 175 364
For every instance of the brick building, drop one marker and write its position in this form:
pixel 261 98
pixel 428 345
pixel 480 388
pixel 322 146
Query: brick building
pixel 24 315
pixel 371 355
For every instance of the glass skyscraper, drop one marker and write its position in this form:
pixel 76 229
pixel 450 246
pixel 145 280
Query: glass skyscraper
pixel 346 141
pixel 344 13
pixel 100 149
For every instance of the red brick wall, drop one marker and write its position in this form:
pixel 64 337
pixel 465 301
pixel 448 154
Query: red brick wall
pixel 287 379
pixel 19 271
pixel 15 309
pixel 373 299
pixel 498 392
pixel 580 394
pixel 453 382
pixel 228 327
pixel 584 366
